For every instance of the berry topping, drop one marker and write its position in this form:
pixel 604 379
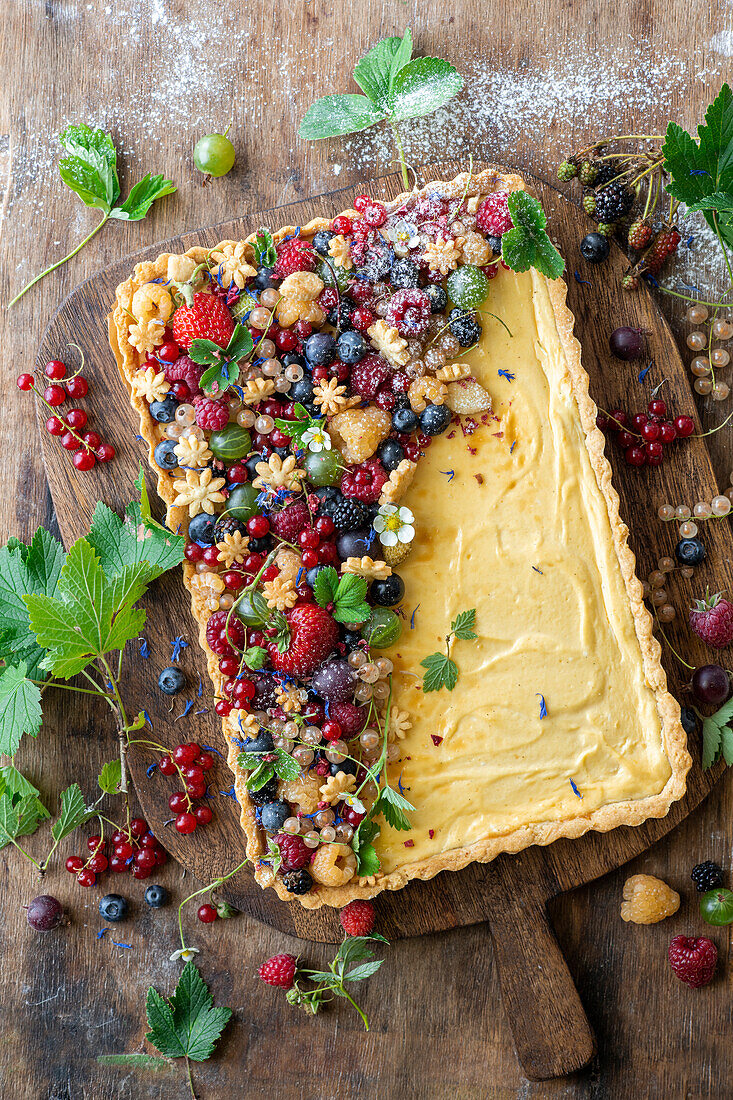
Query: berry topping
pixel 294 255
pixel 207 318
pixel 357 918
pixel 693 959
pixel 313 636
pixel 211 415
pixel 279 970
pixel 294 852
pixel 297 882
pixel 365 481
pixel 185 370
pixel 369 375
pixel 222 636
pixel 492 216
pixel 409 312
pixel 293 519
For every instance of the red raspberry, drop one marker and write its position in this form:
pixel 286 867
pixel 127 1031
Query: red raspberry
pixel 693 960
pixel 351 718
pixel 365 481
pixel 185 370
pixel 279 970
pixel 291 521
pixel 221 638
pixel 712 620
pixel 313 636
pixel 210 413
pixel 206 319
pixel 362 319
pixel 492 216
pixel 294 852
pixel 369 375
pixel 664 246
pixel 294 255
pixel 357 918
pixel 409 312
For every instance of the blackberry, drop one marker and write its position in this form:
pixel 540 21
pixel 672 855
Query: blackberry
pixel 464 327
pixel 341 314
pixel 330 498
pixel 613 202
pixel 438 297
pixel 607 170
pixel 349 514
pixel 379 260
pixel 228 525
pixel 321 241
pixel 404 275
pixel 566 171
pixel 265 794
pixel 588 173
pixel 589 203
pixel 297 882
pixel 707 876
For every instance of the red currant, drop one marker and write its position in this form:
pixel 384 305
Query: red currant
pixel 186 754
pixel 84 459
pixel 94 842
pixel 331 730
pixel 77 418
pixel 69 442
pixel 654 453
pixel 178 803
pixel 635 456
pixel 123 850
pixel 626 439
pixel 343 225
pixel 206 761
pixel 138 826
pixel 77 386
pixel 310 558
pixel 207 914
pixel 105 453
pixel 54 426
pixel 92 439
pixel 657 407
pixel 651 431
pixel 118 863
pixel 203 815
pixel 166 766
pixel 54 395
pixel 74 864
pixel 194 789
pixel 638 420
pixel 86 877
pixel 193 773
pixel 54 369
pixel 160 856
pixel 384 399
pixel 223 708
pixel 237 474
pixel 229 666
pixel 119 837
pixel 145 858
pixel 258 527
pixel 193 552
pixel 25 381
pixel 98 862
pixel 149 841
pixel 180 391
pixel 142 872
pixel 286 340
pixel 684 426
pixel 324 525
pixel 667 432
pixel 619 419
pixel 362 319
pixel 169 352
pixel 233 580
pixel 211 555
pixel 185 823
pixel 303 329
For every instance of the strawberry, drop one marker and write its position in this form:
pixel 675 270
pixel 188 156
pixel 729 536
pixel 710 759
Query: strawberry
pixel 313 636
pixel 712 620
pixel 693 960
pixel 206 319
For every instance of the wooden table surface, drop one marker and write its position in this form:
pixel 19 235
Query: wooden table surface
pixel 158 74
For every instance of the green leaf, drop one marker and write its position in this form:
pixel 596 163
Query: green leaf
pixel 376 71
pixel 26 569
pixel 72 813
pixel 262 774
pixel 711 738
pixel 20 707
pixel 282 631
pixel 187 1026
pixel 142 196
pixel 219 378
pixel 463 624
pixel 718 200
pixel 205 353
pixel 441 672
pixel 9 821
pixel 326 586
pixel 147 1061
pixel 240 344
pixel 125 542
pixel 527 244
pixel 26 811
pixel 265 246
pixel 145 510
pixel 111 776
pixel 422 86
pixel 351 612
pixel 726 744
pixel 392 806
pixel 364 970
pixel 339 114
pixel 254 657
pixel 90 169
pixel 285 767
pixel 367 860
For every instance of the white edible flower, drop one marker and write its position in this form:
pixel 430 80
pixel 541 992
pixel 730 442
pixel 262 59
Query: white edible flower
pixel 316 439
pixel 394 525
pixel 185 953
pixel 404 236
pixel 354 802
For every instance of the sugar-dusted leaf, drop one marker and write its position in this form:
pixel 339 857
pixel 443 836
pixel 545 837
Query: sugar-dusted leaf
pixel 376 71
pixel 394 807
pixel 187 1026
pixel 422 86
pixel 142 196
pixel 286 767
pixel 262 774
pixel 73 812
pixel 527 244
pixel 463 624
pixel 20 707
pixel 125 542
pixel 96 148
pixel 110 776
pixel 339 114
pixel 440 671
pixel 265 246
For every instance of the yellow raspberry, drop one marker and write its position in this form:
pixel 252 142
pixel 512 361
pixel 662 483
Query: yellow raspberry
pixel 647 900
pixel 333 865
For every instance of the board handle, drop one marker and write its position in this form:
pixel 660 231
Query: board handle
pixel 552 1036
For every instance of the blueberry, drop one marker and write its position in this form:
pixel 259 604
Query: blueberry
pixel 321 241
pixel 351 639
pixel 156 896
pixel 495 243
pixel 274 815
pixel 264 279
pixel 689 552
pixel 164 454
pixel 464 327
pixel 302 390
pixel 438 297
pixel 261 743
pixel 434 419
pixel 404 275
pixel 404 421
pixel 320 348
pixel 351 347
pixel 387 592
pixel 311 574
pixel 594 248
pixel 251 466
pixel 201 529
pixel 355 544
pixel 113 907
pixel 348 767
pixel 164 411
pixel 341 314
pixel 171 680
pixel 688 719
pixel 390 455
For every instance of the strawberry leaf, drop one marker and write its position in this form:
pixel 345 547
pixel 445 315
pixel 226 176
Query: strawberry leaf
pixel 376 71
pixel 527 244
pixel 421 87
pixel 142 196
pixel 334 115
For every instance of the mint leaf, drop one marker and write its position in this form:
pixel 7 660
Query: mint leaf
pixel 440 672
pixel 20 707
pixel 72 813
pixel 125 542
pixel 334 115
pixel 110 776
pixel 285 767
pixel 186 1026
pixel 392 806
pixel 142 196
pixel 463 624
pixel 527 244
pixel 261 775
pixel 421 87
pixel 265 247
pixel 376 71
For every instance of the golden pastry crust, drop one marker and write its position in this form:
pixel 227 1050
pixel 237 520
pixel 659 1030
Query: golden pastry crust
pixel 632 812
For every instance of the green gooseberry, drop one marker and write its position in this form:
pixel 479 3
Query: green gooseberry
pixel 252 608
pixel 230 443
pixel 214 154
pixel 327 273
pixel 382 629
pixel 323 468
pixel 716 906
pixel 242 502
pixel 467 286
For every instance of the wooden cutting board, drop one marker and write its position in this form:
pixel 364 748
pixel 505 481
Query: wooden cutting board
pixel 551 1032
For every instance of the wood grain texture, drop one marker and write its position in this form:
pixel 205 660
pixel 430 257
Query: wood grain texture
pixel 438 1028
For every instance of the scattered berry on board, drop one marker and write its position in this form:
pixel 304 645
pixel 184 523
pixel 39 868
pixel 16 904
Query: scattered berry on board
pixel 648 899
pixel 707 876
pixel 279 970
pixel 693 959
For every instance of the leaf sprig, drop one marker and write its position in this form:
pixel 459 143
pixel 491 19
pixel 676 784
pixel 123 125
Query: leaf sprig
pixel 223 363
pixel 90 170
pixel 527 243
pixel 717 736
pixel 441 671
pixel 332 982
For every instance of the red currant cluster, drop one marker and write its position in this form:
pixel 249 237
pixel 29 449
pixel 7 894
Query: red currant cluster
pixel 134 848
pixel 87 446
pixel 190 763
pixel 643 436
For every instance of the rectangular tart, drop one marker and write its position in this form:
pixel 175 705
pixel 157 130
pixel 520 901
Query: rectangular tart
pixel 560 720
